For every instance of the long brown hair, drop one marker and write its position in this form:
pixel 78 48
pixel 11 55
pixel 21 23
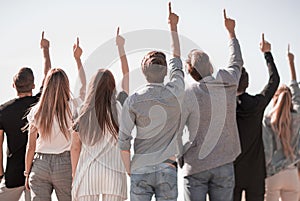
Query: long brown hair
pixel 104 109
pixel 99 113
pixel 54 102
pixel 281 118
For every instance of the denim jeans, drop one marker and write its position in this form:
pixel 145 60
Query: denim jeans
pixel 159 180
pixel 48 172
pixel 217 182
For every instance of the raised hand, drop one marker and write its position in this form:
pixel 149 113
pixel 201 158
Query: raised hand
pixel 229 24
pixel 290 55
pixel 120 41
pixel 265 46
pixel 173 18
pixel 44 42
pixel 77 50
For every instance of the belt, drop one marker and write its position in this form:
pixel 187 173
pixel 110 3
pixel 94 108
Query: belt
pixel 171 162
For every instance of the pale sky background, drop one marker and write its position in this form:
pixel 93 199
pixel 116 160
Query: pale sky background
pixel 95 22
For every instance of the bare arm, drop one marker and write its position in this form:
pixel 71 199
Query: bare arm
pixel 45 44
pixel 120 42
pixel 125 154
pixel 173 21
pixel 77 55
pixel 75 152
pixel 292 64
pixel 31 145
pixel 1 153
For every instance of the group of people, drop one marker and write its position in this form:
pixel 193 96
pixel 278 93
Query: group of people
pixel 81 146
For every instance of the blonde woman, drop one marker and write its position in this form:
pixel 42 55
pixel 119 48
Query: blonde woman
pixel 281 141
pixel 97 166
pixel 47 162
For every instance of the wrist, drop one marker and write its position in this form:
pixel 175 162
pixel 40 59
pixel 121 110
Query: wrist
pixel 26 173
pixel 173 27
pixel 1 176
pixel 232 35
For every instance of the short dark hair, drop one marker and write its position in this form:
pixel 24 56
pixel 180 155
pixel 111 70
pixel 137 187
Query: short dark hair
pixel 154 66
pixel 244 81
pixel 24 80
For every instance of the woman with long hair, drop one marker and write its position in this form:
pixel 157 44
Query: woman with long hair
pixel 48 162
pixel 96 160
pixel 281 141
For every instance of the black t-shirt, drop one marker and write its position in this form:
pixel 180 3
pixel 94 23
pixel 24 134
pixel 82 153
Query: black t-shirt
pixel 12 119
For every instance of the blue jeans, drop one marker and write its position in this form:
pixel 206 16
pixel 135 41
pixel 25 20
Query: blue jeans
pixel 217 182
pixel 48 172
pixel 159 180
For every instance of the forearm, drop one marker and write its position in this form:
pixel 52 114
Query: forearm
pixel 125 154
pixel 1 152
pixel 29 158
pixel 292 69
pixel 175 45
pixel 125 68
pixel 274 78
pixel 1 161
pixel 47 61
pixel 82 78
pixel 75 152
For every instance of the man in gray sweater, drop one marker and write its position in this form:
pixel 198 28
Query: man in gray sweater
pixel 209 114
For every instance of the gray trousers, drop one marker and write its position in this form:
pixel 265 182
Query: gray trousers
pixel 51 172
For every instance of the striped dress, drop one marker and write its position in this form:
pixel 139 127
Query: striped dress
pixel 100 170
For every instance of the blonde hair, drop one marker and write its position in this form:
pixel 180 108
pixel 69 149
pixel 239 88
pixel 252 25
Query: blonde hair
pixel 54 102
pixel 281 118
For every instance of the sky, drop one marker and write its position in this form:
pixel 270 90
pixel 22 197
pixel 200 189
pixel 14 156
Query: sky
pixel 95 23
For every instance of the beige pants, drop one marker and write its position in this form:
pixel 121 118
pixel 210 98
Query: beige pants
pixel 13 194
pixel 284 185
pixel 97 198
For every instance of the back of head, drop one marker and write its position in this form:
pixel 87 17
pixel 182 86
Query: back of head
pixel 281 118
pixel 24 80
pixel 244 81
pixel 54 102
pixel 99 113
pixel 199 65
pixel 154 66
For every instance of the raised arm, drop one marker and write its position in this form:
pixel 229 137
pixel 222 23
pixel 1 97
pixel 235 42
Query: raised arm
pixel 236 61
pixel 173 21
pixel 45 44
pixel 77 55
pixel 120 42
pixel 274 79
pixel 294 85
pixel 292 64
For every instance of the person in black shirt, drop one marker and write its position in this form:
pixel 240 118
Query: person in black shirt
pixel 250 171
pixel 12 122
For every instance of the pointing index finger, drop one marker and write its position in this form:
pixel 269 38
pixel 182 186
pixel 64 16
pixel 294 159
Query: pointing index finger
pixel 263 37
pixel 170 8
pixel 224 13
pixel 118 31
pixel 43 35
pixel 77 41
pixel 288 48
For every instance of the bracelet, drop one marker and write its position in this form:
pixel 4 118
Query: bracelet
pixel 26 174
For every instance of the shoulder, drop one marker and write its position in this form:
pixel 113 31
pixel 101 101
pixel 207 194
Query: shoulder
pixel 7 104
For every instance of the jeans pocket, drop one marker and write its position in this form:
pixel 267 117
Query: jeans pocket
pixel 167 183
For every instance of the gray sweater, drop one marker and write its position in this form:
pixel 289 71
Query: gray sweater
pixel 155 112
pixel 209 106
